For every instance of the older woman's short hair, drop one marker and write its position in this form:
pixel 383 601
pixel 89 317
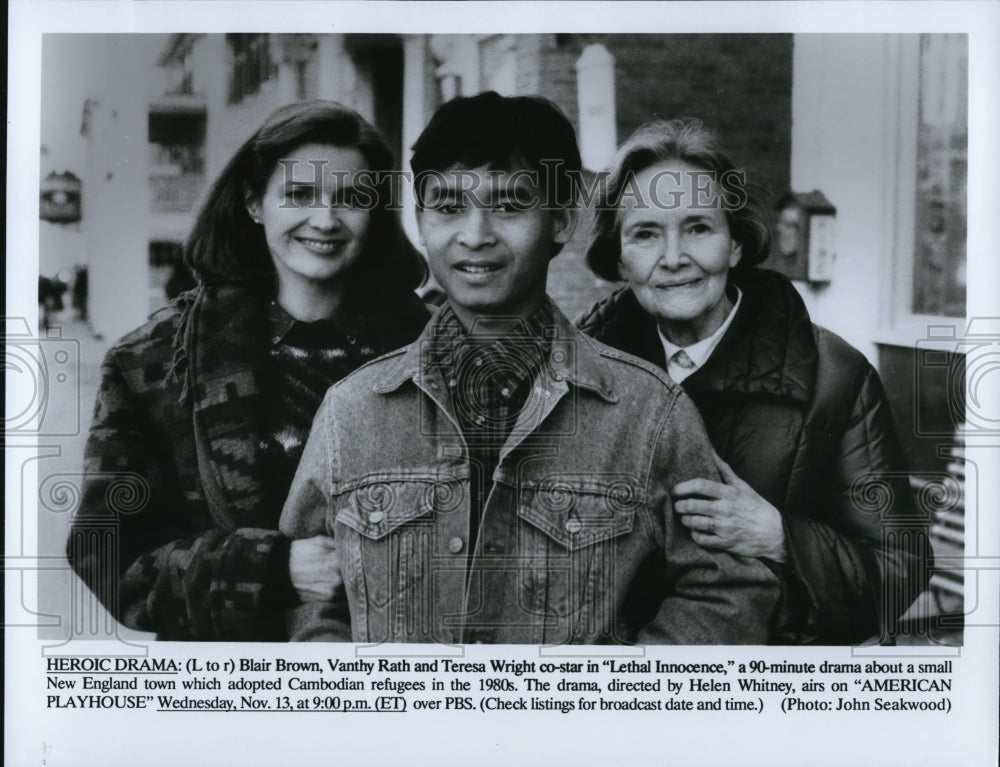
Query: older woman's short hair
pixel 683 140
pixel 225 245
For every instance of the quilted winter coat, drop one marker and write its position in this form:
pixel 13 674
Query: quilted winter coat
pixel 803 418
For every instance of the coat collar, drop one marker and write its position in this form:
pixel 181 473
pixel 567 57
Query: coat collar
pixel 572 358
pixel 223 341
pixel 768 349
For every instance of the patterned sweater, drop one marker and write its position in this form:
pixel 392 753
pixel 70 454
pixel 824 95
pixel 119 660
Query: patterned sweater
pixel 183 485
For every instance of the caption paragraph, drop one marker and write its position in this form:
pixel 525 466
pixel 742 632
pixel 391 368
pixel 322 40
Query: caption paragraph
pixel 397 685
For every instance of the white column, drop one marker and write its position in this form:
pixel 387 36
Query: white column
pixel 595 85
pixel 503 79
pixel 457 57
pixel 212 75
pixel 116 209
pixel 418 103
pixel 288 82
pixel 336 70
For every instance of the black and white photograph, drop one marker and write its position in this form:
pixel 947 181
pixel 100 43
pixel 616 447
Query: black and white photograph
pixel 615 364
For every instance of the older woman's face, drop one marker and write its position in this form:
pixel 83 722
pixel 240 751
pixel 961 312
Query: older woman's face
pixel 312 222
pixel 676 249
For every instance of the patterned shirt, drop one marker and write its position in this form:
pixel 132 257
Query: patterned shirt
pixel 303 361
pixel 489 377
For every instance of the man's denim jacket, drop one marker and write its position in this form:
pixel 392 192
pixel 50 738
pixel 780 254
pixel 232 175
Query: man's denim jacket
pixel 578 541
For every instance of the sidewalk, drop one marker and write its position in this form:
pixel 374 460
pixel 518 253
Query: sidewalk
pixel 65 415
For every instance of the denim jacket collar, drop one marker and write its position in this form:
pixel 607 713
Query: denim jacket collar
pixel 573 359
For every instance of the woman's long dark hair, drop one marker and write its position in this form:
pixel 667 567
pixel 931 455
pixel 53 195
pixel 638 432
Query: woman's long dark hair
pixel 225 246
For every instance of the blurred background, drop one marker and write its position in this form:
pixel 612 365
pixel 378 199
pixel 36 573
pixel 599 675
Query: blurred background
pixel 136 126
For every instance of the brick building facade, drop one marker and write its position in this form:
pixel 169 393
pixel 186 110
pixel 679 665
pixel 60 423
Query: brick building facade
pixel 723 80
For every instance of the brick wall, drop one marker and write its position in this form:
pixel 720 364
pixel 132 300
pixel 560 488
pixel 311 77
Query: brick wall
pixel 572 285
pixel 740 85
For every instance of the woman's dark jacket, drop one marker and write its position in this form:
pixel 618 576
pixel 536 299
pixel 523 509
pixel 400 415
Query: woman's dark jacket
pixel 803 418
pixel 177 528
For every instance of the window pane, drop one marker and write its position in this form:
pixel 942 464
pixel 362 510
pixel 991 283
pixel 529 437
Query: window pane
pixel 250 65
pixel 942 168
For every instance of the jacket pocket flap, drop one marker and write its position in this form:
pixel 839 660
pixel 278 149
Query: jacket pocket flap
pixel 579 515
pixel 376 508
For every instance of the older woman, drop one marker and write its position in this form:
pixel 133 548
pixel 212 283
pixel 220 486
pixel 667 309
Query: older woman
pixel 304 275
pixel 799 417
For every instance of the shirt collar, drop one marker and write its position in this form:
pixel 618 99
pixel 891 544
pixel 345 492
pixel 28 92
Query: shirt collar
pixel 537 325
pixel 280 323
pixel 572 357
pixel 699 352
pixel 514 355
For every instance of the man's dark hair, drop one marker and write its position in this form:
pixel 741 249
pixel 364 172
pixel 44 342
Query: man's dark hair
pixel 502 133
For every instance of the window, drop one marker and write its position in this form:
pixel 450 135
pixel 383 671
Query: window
pixel 176 142
pixel 180 76
pixel 176 159
pixel 251 65
pixel 942 169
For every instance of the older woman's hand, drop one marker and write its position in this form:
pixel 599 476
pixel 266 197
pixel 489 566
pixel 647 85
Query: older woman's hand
pixel 315 568
pixel 730 516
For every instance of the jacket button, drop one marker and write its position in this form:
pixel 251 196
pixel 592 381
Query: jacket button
pixel 573 526
pixel 455 545
pixel 375 517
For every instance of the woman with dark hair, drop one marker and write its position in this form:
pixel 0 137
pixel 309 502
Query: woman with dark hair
pixel 799 417
pixel 304 275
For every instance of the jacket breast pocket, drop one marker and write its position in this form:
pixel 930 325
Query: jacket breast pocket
pixel 384 530
pixel 574 547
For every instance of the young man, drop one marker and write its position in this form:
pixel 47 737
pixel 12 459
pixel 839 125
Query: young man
pixel 506 479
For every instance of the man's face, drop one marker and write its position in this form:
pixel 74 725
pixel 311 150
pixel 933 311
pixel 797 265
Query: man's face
pixel 489 240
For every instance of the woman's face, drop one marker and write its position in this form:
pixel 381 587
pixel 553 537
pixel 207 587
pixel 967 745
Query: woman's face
pixel 313 226
pixel 676 249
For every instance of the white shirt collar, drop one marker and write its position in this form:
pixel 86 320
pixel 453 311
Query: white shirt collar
pixel 698 352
